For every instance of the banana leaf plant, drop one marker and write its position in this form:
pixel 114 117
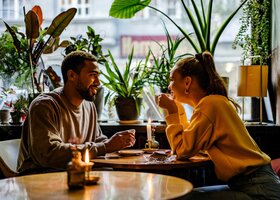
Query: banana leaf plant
pixel 41 40
pixel 200 20
pixel 127 84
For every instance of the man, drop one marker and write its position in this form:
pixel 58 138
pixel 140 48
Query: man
pixel 59 117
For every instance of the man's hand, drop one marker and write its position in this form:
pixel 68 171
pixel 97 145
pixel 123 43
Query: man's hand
pixel 120 140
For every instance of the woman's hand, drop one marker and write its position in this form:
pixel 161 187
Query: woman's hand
pixel 166 102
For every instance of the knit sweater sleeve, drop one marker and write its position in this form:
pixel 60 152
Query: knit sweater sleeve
pixel 186 139
pixel 46 146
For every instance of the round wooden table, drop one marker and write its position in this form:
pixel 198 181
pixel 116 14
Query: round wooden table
pixel 142 162
pixel 112 185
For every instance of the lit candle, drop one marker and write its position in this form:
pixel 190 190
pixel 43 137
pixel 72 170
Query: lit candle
pixel 87 156
pixel 149 130
pixel 88 166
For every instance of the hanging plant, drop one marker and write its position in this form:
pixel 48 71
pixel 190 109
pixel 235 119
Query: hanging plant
pixel 254 33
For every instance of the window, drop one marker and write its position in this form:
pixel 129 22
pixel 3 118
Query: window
pixel 11 9
pixel 83 7
pixel 171 8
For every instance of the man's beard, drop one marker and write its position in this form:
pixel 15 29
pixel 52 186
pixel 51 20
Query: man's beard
pixel 85 93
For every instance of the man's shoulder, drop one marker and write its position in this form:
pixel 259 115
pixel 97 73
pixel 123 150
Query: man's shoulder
pixel 48 98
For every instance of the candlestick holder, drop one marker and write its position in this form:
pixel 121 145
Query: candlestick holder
pixel 88 178
pixel 152 144
pixel 76 172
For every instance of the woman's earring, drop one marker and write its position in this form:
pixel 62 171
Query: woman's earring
pixel 186 91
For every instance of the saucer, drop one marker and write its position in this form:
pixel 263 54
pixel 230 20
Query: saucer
pixel 149 151
pixel 130 152
pixel 92 180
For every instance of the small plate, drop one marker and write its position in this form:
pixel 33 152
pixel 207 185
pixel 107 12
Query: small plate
pixel 112 156
pixel 149 151
pixel 130 152
pixel 92 180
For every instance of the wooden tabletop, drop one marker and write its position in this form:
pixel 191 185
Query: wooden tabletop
pixel 112 185
pixel 142 162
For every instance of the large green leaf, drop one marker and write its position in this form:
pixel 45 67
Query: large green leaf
pixel 32 25
pixel 197 31
pixel 14 36
pixel 60 22
pixel 127 9
pixel 224 25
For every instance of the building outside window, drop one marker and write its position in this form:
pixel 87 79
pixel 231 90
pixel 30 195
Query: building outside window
pixel 83 7
pixel 11 9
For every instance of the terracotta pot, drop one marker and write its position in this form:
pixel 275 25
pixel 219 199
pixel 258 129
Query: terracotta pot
pixel 126 108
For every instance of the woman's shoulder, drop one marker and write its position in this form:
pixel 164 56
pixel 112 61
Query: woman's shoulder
pixel 215 99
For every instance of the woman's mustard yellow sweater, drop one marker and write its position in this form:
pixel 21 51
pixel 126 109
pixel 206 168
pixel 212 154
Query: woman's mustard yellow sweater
pixel 215 128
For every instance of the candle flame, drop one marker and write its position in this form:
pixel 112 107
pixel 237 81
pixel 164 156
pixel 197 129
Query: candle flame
pixel 87 156
pixel 149 121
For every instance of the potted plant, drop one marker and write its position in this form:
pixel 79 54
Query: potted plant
pixel 199 19
pixel 92 45
pixel 125 88
pixel 254 37
pixel 19 110
pixel 162 65
pixel 40 40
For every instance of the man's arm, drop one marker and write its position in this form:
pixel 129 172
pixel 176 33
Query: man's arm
pixel 46 145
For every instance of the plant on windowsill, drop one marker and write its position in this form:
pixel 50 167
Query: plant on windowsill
pixel 199 19
pixel 19 110
pixel 125 88
pixel 40 40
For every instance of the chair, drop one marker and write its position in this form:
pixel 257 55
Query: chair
pixel 275 163
pixel 9 150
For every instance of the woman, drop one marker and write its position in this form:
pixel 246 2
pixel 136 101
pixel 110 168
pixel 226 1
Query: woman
pixel 215 128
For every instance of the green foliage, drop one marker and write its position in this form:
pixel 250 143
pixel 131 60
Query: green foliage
pixel 13 64
pixel 199 19
pixel 128 84
pixel 40 40
pixel 90 44
pixel 254 34
pixel 162 65
pixel 21 105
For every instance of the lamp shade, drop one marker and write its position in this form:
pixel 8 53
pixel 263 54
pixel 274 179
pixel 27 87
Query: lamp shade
pixel 251 80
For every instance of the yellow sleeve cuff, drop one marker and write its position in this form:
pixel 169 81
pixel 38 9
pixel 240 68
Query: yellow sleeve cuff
pixel 172 119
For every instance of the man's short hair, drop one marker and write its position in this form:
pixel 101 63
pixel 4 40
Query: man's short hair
pixel 74 61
